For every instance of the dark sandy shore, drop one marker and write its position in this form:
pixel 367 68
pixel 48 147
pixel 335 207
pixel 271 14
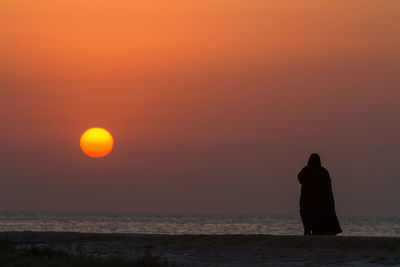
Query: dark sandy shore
pixel 225 250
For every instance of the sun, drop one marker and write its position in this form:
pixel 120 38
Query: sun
pixel 96 142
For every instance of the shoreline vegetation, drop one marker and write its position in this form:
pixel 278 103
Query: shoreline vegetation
pixel 90 249
pixel 46 256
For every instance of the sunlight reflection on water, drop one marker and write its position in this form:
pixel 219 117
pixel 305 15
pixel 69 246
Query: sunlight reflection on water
pixel 185 224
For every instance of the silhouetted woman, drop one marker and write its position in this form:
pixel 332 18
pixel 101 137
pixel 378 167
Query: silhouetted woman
pixel 317 206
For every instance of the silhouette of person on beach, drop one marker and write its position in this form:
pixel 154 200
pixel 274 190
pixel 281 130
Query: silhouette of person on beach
pixel 317 205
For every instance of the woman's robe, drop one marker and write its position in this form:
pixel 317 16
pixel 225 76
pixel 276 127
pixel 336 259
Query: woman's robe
pixel 317 205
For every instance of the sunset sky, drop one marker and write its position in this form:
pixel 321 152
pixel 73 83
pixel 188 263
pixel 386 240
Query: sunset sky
pixel 214 106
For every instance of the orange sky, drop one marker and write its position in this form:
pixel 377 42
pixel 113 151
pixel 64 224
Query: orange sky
pixel 214 105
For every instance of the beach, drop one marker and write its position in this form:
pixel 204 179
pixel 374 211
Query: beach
pixel 223 250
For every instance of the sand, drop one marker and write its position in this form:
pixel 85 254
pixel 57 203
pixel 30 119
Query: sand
pixel 225 250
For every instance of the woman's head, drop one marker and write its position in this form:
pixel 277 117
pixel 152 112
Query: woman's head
pixel 314 161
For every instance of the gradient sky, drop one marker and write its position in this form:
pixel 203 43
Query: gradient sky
pixel 215 106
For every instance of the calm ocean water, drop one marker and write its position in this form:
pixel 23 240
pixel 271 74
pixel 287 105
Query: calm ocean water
pixel 185 224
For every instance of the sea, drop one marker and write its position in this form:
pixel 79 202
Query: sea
pixel 178 224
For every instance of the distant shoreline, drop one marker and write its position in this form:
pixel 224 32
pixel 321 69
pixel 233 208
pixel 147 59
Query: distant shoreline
pixel 223 250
